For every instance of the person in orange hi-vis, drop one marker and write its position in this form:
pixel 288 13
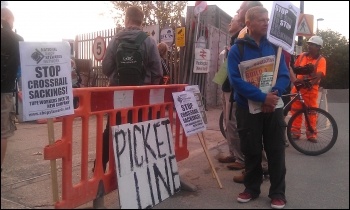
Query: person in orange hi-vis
pixel 310 95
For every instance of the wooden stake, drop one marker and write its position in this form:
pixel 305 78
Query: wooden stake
pixel 51 136
pixel 277 65
pixel 209 160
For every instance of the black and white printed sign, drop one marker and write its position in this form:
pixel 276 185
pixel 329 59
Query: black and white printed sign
pixel 46 80
pixel 147 171
pixel 283 24
pixel 189 112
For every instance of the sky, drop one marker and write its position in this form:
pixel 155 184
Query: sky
pixel 54 21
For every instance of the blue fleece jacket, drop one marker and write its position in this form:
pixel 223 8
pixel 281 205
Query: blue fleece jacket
pixel 245 90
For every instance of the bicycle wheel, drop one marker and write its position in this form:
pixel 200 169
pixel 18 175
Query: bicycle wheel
pixel 326 128
pixel 222 124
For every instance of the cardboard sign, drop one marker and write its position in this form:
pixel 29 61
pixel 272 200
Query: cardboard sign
pixel 46 80
pixel 147 171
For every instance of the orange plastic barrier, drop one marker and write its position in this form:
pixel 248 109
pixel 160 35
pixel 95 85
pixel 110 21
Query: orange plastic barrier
pixel 98 102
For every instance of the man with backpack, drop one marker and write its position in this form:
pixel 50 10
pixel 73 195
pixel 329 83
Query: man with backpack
pixel 132 58
pixel 118 71
pixel 10 61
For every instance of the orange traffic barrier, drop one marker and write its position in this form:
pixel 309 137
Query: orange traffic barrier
pixel 90 117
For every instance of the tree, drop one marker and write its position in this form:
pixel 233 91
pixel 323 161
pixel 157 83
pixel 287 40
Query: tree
pixel 162 13
pixel 336 51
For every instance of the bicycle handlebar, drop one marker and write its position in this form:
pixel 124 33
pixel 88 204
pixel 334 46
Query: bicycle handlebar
pixel 305 83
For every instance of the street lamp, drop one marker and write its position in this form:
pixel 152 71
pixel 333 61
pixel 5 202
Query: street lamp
pixel 319 19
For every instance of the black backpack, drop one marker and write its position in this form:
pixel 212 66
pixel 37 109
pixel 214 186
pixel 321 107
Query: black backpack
pixel 129 61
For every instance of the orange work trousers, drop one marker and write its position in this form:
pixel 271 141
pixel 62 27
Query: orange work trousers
pixel 310 98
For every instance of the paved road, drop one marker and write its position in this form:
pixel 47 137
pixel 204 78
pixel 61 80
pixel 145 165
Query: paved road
pixel 320 182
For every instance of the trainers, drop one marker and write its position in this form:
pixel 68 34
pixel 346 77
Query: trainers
pixel 245 197
pixel 277 203
pixel 227 159
pixel 235 166
pixel 240 178
pixel 312 139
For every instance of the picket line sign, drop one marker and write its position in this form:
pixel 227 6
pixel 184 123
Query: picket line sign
pixel 147 171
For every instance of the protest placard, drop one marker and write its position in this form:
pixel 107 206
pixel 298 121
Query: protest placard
pixel 46 80
pixel 189 113
pixel 198 96
pixel 147 171
pixel 283 24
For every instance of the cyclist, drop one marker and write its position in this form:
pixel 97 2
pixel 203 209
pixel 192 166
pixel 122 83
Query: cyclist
pixel 310 95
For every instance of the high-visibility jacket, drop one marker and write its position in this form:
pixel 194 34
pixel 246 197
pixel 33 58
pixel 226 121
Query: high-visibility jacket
pixel 309 95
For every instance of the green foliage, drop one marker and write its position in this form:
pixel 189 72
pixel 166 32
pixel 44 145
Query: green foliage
pixel 336 51
pixel 162 13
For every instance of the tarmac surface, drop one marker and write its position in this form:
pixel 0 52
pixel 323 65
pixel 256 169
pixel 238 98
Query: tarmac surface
pixel 312 182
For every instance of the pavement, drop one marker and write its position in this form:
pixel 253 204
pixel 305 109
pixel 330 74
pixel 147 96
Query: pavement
pixel 312 181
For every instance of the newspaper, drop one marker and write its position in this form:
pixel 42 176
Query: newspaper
pixel 259 72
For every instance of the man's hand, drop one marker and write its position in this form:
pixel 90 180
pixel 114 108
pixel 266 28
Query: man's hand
pixel 299 82
pixel 270 102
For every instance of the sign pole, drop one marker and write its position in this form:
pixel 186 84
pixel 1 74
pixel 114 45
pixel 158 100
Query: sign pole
pixel 277 64
pixel 299 47
pixel 51 136
pixel 209 160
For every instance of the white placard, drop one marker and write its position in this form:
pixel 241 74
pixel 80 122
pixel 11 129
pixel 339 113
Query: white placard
pixel 188 112
pixel 147 171
pixel 283 24
pixel 46 80
pixel 152 31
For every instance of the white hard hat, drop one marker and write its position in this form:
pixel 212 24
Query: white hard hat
pixel 316 40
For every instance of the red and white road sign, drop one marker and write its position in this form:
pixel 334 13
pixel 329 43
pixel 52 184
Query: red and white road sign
pixel 99 48
pixel 199 7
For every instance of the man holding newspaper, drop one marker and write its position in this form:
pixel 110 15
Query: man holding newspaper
pixel 261 126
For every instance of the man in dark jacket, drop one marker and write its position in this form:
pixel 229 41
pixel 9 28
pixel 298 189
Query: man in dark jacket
pixel 151 64
pixel 263 130
pixel 231 133
pixel 10 62
pixel 151 59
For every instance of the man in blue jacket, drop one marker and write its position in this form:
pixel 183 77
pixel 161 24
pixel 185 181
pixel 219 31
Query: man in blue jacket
pixel 264 129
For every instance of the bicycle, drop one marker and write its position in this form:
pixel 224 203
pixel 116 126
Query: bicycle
pixel 222 124
pixel 326 126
